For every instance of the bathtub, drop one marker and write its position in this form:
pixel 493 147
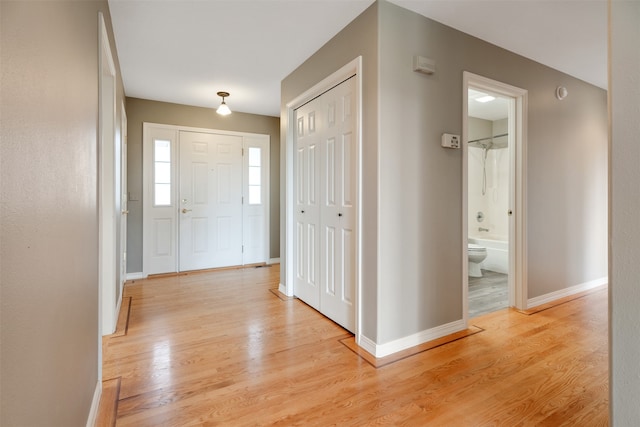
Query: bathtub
pixel 497 254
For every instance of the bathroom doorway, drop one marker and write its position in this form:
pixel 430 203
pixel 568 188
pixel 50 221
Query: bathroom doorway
pixel 493 153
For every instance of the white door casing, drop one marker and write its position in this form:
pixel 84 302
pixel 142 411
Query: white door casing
pixel 209 178
pixel 124 210
pixel 107 191
pixel 517 122
pixel 325 244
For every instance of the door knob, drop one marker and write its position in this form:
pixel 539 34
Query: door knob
pixel 125 212
pixel 340 214
pixel 185 210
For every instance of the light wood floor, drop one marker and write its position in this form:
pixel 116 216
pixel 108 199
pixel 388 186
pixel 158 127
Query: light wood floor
pixel 222 348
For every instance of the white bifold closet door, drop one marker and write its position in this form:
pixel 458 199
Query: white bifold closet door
pixel 325 183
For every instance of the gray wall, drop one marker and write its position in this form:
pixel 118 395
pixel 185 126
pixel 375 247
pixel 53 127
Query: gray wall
pixel 48 217
pixel 360 37
pixel 412 195
pixel 624 292
pixel 420 191
pixel 141 110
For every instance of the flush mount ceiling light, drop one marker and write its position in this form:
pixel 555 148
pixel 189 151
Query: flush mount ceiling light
pixel 223 109
pixel 485 98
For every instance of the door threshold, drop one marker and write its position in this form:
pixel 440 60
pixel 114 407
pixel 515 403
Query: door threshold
pixel 207 270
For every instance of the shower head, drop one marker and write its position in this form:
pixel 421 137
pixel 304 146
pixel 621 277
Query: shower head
pixel 484 144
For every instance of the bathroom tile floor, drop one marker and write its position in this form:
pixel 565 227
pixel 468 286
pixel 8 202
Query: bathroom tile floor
pixel 488 293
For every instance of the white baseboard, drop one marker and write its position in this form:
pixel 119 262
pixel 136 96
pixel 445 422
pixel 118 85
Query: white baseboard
pixel 382 350
pixel 135 276
pixel 367 344
pixel 283 290
pixel 95 403
pixel 552 296
pixel 273 261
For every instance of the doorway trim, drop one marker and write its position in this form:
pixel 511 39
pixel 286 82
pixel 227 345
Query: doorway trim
pixel 108 224
pixel 147 130
pixel 517 186
pixel 124 210
pixel 353 68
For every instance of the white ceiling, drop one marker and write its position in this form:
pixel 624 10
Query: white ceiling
pixel 496 109
pixel 184 51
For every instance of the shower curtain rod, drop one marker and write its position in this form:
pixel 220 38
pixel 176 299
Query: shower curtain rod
pixel 489 137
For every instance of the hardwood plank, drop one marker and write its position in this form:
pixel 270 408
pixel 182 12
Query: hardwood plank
pixel 123 317
pixel 217 348
pixel 108 408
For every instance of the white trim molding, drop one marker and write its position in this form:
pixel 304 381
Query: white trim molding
pixel 136 276
pixel 368 345
pixel 283 290
pixel 382 350
pixel 273 261
pixel 518 112
pixel 95 404
pixel 562 293
pixel 108 228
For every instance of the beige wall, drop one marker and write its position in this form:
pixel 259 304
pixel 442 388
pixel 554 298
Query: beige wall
pixel 624 292
pixel 359 38
pixel 142 110
pixel 49 218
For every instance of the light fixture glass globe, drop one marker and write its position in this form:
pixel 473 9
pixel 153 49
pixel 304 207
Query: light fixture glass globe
pixel 223 110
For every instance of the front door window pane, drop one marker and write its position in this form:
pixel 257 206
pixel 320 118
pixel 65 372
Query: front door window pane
pixel 255 176
pixel 162 172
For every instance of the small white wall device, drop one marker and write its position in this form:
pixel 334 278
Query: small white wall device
pixel 450 140
pixel 424 65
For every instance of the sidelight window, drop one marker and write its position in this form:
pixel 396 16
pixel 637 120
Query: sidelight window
pixel 162 172
pixel 255 175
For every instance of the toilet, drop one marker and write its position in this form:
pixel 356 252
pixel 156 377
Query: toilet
pixel 477 254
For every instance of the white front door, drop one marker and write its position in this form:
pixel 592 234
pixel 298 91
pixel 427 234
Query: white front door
pixel 210 201
pixel 325 183
pixel 206 198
